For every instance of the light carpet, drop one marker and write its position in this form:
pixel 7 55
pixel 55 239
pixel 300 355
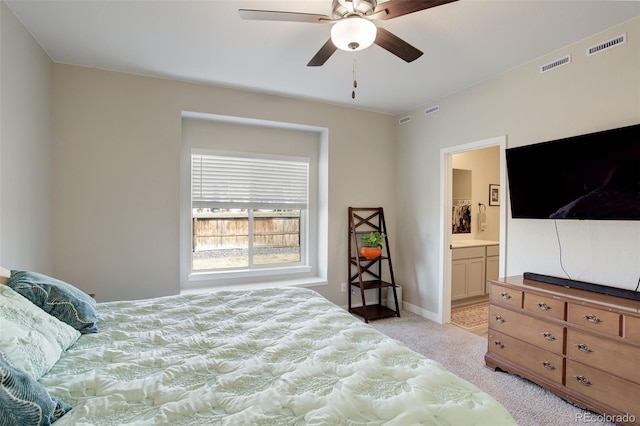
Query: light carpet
pixel 463 353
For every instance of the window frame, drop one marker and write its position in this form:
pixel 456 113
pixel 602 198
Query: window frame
pixel 254 270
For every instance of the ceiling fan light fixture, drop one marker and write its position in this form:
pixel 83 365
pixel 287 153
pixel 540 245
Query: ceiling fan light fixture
pixel 354 33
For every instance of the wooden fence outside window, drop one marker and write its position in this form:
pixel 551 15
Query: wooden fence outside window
pixel 216 231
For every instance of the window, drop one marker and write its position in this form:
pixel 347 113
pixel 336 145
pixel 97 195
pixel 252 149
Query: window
pixel 244 237
pixel 248 211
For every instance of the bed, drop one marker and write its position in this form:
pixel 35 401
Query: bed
pixel 283 356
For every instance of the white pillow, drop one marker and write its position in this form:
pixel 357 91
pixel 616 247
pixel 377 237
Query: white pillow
pixel 31 338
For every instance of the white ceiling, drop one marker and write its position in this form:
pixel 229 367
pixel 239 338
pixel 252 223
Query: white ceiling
pixel 464 42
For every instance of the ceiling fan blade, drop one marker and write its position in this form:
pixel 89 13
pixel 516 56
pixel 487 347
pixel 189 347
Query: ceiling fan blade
pixel 395 8
pixel 274 15
pixel 396 45
pixel 323 54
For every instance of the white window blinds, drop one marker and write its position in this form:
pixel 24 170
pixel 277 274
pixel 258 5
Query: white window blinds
pixel 223 181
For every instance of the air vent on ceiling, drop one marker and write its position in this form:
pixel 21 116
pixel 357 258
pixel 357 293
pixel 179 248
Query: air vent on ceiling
pixel 555 64
pixel 432 109
pixel 405 119
pixel 622 38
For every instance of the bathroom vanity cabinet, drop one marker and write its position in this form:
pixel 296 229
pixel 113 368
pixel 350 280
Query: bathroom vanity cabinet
pixel 471 267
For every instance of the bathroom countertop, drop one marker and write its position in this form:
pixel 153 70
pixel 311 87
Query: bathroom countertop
pixel 473 243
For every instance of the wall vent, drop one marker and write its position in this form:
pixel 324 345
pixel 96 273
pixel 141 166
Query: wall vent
pixel 405 119
pixel 621 39
pixel 432 109
pixel 555 64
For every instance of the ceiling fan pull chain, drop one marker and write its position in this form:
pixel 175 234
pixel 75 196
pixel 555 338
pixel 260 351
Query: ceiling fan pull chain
pixel 355 82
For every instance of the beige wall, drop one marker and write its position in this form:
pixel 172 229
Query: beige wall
pixel 589 94
pixel 116 163
pixel 25 149
pixel 484 165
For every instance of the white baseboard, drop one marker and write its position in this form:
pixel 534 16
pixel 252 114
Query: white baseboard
pixel 422 312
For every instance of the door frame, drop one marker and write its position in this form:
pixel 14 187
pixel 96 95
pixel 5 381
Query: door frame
pixel 446 204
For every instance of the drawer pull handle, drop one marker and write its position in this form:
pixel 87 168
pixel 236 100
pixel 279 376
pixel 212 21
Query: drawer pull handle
pixel 549 336
pixel 582 380
pixel 592 318
pixel 499 344
pixel 505 295
pixel 584 348
pixel 500 319
pixel 548 365
pixel 543 306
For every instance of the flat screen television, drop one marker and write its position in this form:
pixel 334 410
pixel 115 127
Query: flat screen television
pixel 592 176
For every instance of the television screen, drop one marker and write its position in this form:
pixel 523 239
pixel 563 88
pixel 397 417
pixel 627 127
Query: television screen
pixel 592 176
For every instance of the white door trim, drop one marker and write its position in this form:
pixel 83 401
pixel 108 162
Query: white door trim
pixel 445 217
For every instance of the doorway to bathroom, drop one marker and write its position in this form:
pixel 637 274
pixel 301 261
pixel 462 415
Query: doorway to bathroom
pixel 473 229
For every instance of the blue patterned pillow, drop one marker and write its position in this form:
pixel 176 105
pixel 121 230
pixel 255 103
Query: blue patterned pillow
pixel 57 298
pixel 24 401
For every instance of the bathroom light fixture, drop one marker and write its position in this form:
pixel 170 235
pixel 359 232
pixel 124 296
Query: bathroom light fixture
pixel 353 33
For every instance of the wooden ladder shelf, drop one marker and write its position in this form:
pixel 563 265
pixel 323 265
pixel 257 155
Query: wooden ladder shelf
pixel 370 274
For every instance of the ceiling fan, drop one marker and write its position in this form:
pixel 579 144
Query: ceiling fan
pixel 353 28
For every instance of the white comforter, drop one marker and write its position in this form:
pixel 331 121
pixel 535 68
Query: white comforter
pixel 274 356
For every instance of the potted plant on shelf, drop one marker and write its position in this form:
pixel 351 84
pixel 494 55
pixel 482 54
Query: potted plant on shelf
pixel 372 247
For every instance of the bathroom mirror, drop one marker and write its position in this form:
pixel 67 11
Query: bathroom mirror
pixel 461 185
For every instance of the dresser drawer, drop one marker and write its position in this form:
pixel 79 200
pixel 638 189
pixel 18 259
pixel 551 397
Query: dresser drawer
pixel 631 328
pixel 538 360
pixel 596 319
pixel 613 391
pixel 547 306
pixel 532 330
pixel 504 295
pixel 608 355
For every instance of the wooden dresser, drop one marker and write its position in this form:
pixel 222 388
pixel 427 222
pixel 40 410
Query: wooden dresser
pixel 580 345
